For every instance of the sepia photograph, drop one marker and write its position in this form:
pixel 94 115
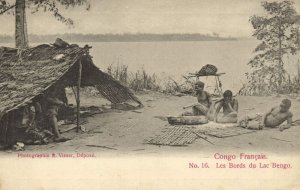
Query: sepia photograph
pixel 149 94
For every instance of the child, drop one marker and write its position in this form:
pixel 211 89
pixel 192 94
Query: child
pixel 230 109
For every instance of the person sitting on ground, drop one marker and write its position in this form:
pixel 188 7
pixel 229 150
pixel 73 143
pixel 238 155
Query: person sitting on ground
pixel 53 104
pixel 204 100
pixel 273 118
pixel 28 116
pixel 230 109
pixel 35 133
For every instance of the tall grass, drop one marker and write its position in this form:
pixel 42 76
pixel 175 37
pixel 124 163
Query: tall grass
pixel 141 80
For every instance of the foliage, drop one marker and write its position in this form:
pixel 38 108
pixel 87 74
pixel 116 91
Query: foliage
pixel 21 36
pixel 141 80
pixel 278 32
pixel 46 6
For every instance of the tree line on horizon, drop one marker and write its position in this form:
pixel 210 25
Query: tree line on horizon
pixel 18 9
pixel 73 37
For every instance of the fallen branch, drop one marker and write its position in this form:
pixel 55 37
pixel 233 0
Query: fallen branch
pixel 280 139
pixel 69 129
pixel 97 131
pixel 99 146
pixel 249 108
pixel 138 149
pixel 136 111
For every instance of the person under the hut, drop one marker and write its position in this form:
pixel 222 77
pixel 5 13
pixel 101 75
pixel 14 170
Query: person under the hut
pixel 230 109
pixel 204 100
pixel 52 106
pixel 28 115
pixel 273 118
pixel 36 132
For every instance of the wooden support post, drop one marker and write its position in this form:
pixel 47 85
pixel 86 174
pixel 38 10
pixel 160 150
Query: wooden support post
pixel 217 90
pixel 298 67
pixel 78 95
pixel 220 86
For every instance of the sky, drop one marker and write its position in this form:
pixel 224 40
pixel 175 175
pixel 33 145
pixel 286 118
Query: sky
pixel 225 17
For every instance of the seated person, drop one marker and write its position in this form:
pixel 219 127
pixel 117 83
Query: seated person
pixel 30 123
pixel 273 118
pixel 204 100
pixel 230 109
pixel 35 132
pixel 27 115
pixel 52 106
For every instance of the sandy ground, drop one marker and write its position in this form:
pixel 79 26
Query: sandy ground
pixel 125 132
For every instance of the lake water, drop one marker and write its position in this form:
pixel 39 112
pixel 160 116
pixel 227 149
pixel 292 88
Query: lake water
pixel 178 58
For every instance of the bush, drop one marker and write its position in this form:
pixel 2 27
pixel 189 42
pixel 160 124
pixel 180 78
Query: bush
pixel 142 80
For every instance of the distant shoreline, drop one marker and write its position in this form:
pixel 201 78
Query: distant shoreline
pixel 119 37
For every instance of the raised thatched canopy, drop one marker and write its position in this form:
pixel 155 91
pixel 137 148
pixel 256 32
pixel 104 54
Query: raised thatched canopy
pixel 25 74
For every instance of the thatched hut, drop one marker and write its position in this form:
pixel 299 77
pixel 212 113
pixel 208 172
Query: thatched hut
pixel 26 74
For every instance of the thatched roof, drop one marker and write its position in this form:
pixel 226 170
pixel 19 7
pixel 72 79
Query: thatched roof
pixel 26 74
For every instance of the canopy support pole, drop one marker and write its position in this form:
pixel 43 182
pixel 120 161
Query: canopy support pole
pixel 78 96
pixel 219 85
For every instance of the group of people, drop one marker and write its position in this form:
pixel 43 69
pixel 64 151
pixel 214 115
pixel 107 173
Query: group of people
pixel 41 114
pixel 273 118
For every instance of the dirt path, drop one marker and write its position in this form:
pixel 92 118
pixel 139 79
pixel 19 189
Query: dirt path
pixel 124 132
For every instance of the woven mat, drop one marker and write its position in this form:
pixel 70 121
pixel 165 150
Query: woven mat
pixel 182 135
pixel 223 132
pixel 175 136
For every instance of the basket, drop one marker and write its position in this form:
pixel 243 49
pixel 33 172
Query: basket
pixel 208 70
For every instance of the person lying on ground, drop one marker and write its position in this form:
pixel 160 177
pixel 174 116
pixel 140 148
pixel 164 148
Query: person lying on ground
pixel 273 118
pixel 230 109
pixel 204 100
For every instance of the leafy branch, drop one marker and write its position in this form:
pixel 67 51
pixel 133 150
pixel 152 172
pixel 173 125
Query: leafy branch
pixel 48 6
pixel 278 32
pixel 5 7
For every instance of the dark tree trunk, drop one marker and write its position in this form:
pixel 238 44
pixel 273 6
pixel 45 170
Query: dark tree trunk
pixel 21 38
pixel 298 38
pixel 280 62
